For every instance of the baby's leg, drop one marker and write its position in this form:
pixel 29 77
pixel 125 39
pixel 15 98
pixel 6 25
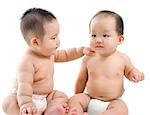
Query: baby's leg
pixel 78 104
pixel 116 107
pixel 10 105
pixel 57 104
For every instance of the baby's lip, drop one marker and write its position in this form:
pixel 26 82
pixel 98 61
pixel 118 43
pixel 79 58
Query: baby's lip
pixel 99 46
pixel 56 47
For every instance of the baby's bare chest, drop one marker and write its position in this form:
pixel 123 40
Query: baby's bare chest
pixel 107 68
pixel 44 70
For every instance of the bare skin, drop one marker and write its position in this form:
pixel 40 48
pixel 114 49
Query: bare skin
pixel 35 75
pixel 103 73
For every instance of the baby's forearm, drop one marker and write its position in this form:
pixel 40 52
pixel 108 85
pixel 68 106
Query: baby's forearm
pixel 24 94
pixel 78 90
pixel 79 87
pixel 69 55
pixel 23 100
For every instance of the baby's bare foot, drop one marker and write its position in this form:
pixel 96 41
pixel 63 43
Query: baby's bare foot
pixel 58 110
pixel 85 113
pixel 73 111
pixel 66 107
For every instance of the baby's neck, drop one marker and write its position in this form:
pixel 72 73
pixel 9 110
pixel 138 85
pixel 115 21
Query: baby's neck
pixel 36 54
pixel 106 55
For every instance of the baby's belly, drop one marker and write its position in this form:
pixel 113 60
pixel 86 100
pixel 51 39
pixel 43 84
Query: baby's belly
pixel 105 89
pixel 42 88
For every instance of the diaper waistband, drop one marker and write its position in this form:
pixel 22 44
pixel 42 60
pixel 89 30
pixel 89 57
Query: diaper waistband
pixel 37 96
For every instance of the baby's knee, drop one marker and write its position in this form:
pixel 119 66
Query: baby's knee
pixel 121 107
pixel 124 108
pixel 60 95
pixel 5 104
pixel 9 103
pixel 79 98
pixel 63 95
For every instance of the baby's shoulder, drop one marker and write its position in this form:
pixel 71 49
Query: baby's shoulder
pixel 26 61
pixel 123 56
pixel 87 58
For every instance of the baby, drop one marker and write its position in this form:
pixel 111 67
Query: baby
pixel 103 73
pixel 34 92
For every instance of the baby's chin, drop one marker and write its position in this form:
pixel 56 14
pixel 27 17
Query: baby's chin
pixel 105 54
pixel 53 52
pixel 99 51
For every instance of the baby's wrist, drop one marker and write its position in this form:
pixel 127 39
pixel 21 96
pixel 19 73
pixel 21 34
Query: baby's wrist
pixel 26 103
pixel 81 50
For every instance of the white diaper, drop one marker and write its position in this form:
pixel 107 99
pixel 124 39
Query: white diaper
pixel 39 101
pixel 96 107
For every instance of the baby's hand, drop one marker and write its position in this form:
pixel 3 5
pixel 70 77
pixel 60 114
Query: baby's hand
pixel 27 109
pixel 88 51
pixel 136 76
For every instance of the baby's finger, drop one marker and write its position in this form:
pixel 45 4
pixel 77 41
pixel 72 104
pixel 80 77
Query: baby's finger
pixel 29 110
pixel 24 111
pixel 52 57
pixel 134 79
pixel 40 111
pixel 142 76
pixel 67 108
pixel 34 110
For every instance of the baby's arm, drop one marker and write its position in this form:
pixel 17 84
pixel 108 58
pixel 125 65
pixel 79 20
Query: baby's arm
pixel 82 78
pixel 68 55
pixel 131 72
pixel 24 93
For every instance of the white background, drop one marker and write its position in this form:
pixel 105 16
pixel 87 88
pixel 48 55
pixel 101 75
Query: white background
pixel 74 17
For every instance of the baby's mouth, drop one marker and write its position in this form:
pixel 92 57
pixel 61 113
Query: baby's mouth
pixel 99 46
pixel 56 47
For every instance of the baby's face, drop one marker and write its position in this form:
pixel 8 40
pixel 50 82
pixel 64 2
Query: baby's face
pixel 50 40
pixel 103 35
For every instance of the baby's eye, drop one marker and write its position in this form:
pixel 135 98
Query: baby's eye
pixel 53 38
pixel 93 35
pixel 106 35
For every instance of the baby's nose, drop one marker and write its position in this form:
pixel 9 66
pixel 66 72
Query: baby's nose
pixel 99 40
pixel 58 43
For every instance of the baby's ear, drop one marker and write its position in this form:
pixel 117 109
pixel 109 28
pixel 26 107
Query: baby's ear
pixel 35 42
pixel 120 39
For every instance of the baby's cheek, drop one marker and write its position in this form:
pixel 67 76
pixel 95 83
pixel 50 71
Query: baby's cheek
pixel 92 44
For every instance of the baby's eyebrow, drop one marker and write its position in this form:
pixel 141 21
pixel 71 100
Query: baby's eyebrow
pixel 53 35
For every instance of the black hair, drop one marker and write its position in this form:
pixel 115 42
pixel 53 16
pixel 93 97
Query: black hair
pixel 32 22
pixel 118 18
